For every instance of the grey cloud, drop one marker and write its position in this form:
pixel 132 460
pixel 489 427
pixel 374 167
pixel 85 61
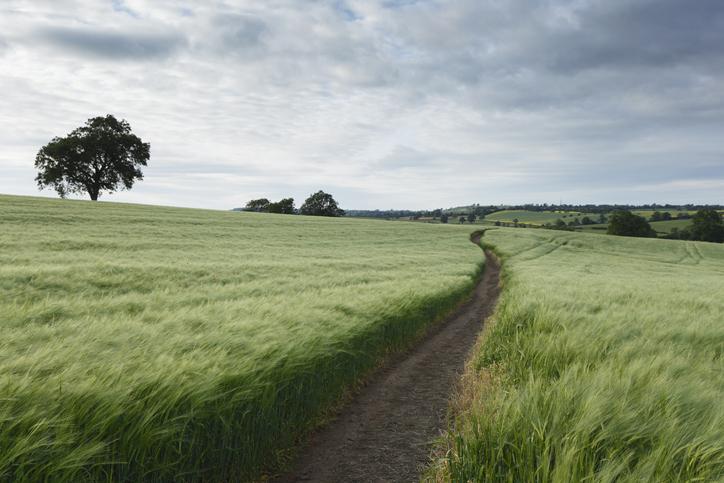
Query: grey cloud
pixel 238 31
pixel 441 101
pixel 643 33
pixel 113 45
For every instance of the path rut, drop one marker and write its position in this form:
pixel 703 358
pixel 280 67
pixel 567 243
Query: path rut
pixel 385 433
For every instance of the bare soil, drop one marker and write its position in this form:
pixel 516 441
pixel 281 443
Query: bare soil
pixel 385 433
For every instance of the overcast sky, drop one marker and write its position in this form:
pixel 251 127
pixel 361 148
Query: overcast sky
pixel 384 103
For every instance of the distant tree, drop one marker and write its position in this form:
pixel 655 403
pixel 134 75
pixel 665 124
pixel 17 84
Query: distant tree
pixel 602 218
pixel 587 221
pixel 682 215
pixel 576 221
pixel 497 223
pixel 706 225
pixel 461 220
pixel 261 205
pixel 471 218
pixel 665 216
pixel 656 216
pixel 102 156
pixel 515 221
pixel 443 218
pixel 285 206
pixel 625 223
pixel 321 204
pixel 677 234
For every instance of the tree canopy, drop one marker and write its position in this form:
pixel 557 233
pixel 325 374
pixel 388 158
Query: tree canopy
pixel 285 206
pixel 625 223
pixel 101 156
pixel 261 204
pixel 707 225
pixel 321 204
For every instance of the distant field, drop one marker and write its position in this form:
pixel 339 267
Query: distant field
pixel 603 363
pixel 150 343
pixel 534 217
pixel 648 213
pixel 661 227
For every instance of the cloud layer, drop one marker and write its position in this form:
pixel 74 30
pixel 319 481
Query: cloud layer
pixel 407 104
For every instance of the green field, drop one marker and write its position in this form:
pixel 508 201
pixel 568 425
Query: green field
pixel 535 217
pixel 603 363
pixel 149 343
pixel 647 213
pixel 661 227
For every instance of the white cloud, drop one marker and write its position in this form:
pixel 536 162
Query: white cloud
pixel 384 103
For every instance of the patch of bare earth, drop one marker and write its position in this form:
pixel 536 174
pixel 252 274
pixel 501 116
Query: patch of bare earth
pixel 386 432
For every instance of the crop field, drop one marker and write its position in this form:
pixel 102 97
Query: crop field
pixel 160 344
pixel 661 227
pixel 603 363
pixel 534 217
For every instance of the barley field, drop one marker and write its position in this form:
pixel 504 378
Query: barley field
pixel 603 363
pixel 160 344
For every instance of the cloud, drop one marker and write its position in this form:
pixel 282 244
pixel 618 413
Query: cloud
pixel 105 44
pixel 238 31
pixel 393 103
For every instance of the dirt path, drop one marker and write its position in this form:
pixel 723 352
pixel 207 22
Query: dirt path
pixel 385 433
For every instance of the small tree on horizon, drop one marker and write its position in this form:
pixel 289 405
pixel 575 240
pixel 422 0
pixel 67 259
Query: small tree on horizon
pixel 259 205
pixel 285 206
pixel 321 204
pixel 102 156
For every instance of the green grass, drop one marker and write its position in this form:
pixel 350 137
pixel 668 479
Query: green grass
pixel 661 227
pixel 159 344
pixel 647 213
pixel 603 363
pixel 535 217
pixel 665 227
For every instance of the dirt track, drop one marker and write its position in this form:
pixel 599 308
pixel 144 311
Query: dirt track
pixel 385 433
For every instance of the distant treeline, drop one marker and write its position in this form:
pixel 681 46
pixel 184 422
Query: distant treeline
pixel 483 210
pixel 318 204
pixel 477 210
pixel 610 208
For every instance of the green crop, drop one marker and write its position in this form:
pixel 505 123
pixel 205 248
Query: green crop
pixel 160 344
pixel 603 363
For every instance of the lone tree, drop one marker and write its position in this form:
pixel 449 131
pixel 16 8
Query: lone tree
pixel 625 223
pixel 102 156
pixel 321 204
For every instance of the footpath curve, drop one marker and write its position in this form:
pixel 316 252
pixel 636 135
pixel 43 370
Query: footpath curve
pixel 385 433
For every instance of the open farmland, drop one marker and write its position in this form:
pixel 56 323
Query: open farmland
pixel 603 363
pixel 150 343
pixel 660 227
pixel 533 217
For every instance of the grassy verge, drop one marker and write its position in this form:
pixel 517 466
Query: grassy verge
pixel 159 344
pixel 603 363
